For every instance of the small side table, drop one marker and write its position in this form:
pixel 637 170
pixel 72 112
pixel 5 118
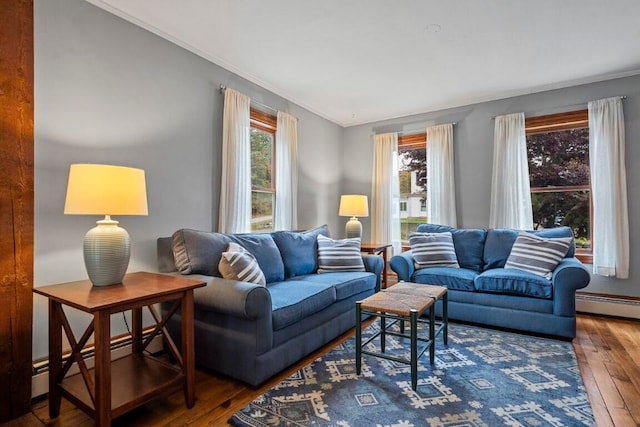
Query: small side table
pixel 112 388
pixel 378 249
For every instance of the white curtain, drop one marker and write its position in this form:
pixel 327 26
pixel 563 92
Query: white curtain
pixel 441 189
pixel 385 192
pixel 510 191
pixel 286 206
pixel 235 188
pixel 609 188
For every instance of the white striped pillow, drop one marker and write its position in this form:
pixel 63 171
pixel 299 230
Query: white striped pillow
pixel 537 255
pixel 433 250
pixel 239 264
pixel 339 255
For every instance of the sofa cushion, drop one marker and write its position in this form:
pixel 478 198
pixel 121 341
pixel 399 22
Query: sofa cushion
pixel 433 250
pixel 299 250
pixel 339 255
pixel 514 282
pixel 500 241
pixel 461 279
pixel 346 283
pixel 239 264
pixel 263 247
pixel 469 244
pixel 198 252
pixel 294 300
pixel 536 254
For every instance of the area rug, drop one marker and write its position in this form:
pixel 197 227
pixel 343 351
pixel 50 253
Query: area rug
pixel 483 378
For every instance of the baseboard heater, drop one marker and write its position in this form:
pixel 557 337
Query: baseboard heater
pixel 120 347
pixel 610 305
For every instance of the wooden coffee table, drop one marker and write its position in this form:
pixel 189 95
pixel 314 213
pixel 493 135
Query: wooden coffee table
pixel 112 388
pixel 400 303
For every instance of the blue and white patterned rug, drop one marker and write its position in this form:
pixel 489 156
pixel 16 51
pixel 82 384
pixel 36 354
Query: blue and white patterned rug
pixel 482 378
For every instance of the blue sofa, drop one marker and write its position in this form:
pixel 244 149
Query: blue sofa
pixel 251 332
pixel 483 291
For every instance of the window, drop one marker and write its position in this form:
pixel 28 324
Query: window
pixel 558 153
pixel 412 168
pixel 263 192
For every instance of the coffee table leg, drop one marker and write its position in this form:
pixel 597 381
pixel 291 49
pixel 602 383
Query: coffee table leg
pixel 383 331
pixel 413 316
pixel 358 337
pixel 432 334
pixel 445 317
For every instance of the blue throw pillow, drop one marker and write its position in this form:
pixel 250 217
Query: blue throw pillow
pixel 264 249
pixel 198 252
pixel 299 250
pixel 468 242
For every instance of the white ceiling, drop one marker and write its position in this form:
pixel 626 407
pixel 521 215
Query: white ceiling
pixel 358 61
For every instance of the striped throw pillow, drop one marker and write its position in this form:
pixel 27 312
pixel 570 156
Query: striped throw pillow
pixel 339 255
pixel 537 255
pixel 239 264
pixel 433 250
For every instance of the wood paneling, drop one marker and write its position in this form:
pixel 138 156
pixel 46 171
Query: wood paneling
pixel 16 206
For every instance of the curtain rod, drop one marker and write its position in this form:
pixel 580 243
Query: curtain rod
pixel 583 105
pixel 414 131
pixel 223 88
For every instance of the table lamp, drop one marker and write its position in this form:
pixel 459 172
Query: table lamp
pixel 354 206
pixel 106 190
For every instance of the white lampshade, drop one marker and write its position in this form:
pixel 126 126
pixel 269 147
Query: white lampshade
pixel 353 205
pixel 106 190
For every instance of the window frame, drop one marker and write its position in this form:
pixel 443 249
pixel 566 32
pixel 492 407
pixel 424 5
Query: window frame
pixel 578 119
pixel 267 123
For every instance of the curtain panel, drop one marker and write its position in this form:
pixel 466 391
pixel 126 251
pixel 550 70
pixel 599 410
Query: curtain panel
pixel 510 190
pixel 385 192
pixel 286 204
pixel 235 186
pixel 610 238
pixel 441 189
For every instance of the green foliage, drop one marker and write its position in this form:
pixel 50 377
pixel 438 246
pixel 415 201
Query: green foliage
pixel 559 159
pixel 261 159
pixel 415 160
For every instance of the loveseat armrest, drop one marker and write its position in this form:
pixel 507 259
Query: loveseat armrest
pixel 569 276
pixel 374 264
pixel 402 264
pixel 233 298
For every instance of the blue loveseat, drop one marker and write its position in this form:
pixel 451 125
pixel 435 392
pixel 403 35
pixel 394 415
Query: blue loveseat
pixel 483 291
pixel 251 332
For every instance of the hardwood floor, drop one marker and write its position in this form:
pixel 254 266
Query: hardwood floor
pixel 608 352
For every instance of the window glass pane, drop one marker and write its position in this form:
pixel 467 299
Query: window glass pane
pixel 261 159
pixel 559 208
pixel 261 211
pixel 559 158
pixel 412 169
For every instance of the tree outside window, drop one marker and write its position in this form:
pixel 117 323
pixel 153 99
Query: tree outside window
pixel 558 153
pixel 263 129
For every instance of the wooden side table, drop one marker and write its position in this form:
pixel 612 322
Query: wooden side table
pixel 111 388
pixel 378 249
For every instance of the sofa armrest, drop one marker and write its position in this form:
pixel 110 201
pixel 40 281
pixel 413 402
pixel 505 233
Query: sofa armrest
pixel 374 264
pixel 233 298
pixel 402 264
pixel 569 276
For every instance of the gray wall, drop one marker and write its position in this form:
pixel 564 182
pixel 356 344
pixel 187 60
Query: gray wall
pixel 107 91
pixel 473 152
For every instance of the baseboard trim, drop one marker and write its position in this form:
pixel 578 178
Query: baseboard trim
pixel 609 305
pixel 119 348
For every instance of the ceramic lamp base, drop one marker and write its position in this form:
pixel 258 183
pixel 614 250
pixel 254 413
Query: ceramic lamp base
pixel 107 249
pixel 353 228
